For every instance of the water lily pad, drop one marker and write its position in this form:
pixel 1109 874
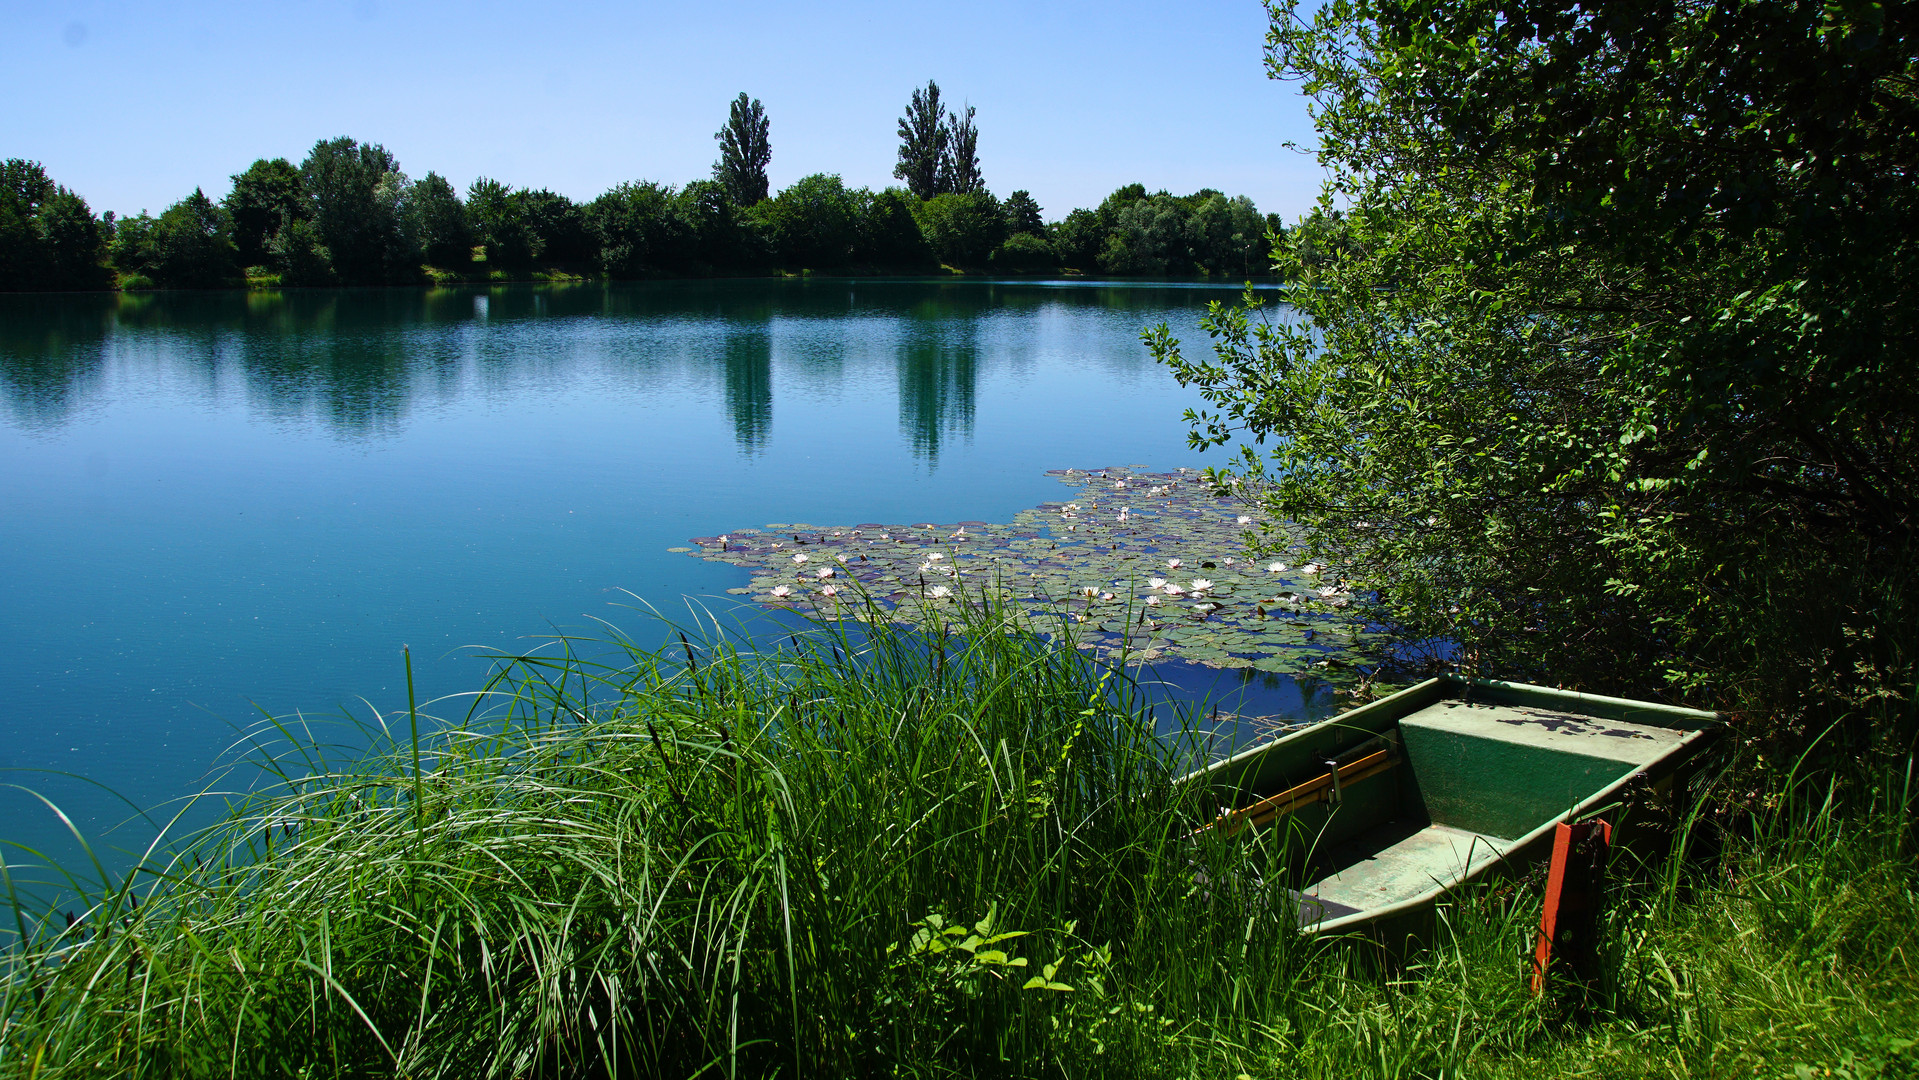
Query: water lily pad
pixel 1117 531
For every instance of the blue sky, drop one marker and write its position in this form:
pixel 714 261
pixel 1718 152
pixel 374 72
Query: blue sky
pixel 134 105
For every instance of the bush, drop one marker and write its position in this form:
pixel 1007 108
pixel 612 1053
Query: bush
pixel 1024 251
pixel 962 230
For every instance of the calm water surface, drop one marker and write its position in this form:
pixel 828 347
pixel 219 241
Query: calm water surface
pixel 214 506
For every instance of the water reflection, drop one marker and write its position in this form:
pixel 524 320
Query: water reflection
pixel 356 363
pixel 938 381
pixel 749 386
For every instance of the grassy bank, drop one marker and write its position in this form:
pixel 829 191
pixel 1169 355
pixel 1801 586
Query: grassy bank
pixel 918 855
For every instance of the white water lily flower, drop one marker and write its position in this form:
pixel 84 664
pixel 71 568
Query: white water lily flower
pixel 825 572
pixel 840 555
pixel 829 591
pixel 934 556
pixel 1329 591
pixel 1276 568
pixel 1172 564
pixel 1106 596
pixel 1311 568
pixel 1156 583
pixel 1152 601
pixel 799 558
pixel 782 592
pixel 939 591
pixel 1200 584
pixel 1228 561
pixel 722 539
pixel 1245 520
pixel 1174 590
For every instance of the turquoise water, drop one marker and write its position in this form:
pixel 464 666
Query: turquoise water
pixel 214 506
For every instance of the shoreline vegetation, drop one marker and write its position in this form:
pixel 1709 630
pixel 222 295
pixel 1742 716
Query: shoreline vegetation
pixel 348 215
pixel 953 850
pixel 1602 372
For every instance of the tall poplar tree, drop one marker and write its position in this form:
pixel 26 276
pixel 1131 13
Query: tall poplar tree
pixel 923 135
pixel 744 152
pixel 959 165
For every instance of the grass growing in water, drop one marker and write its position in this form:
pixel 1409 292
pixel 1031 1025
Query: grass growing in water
pixel 897 855
pixel 855 855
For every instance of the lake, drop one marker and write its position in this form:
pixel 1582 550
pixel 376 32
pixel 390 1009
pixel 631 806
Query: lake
pixel 219 506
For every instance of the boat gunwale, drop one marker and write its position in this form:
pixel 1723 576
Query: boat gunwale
pixel 1377 716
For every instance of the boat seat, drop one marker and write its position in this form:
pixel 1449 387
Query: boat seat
pixel 1500 770
pixel 1395 863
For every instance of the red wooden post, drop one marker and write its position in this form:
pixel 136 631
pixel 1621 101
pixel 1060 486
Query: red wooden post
pixel 1569 921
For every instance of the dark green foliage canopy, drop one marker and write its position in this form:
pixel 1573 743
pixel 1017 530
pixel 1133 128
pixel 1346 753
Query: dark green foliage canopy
pixel 191 246
pixel 361 206
pixel 638 232
pixel 558 227
pixel 1024 251
pixel 814 224
pixel 49 238
pixel 446 233
pixel 361 221
pixel 264 198
pixel 1022 214
pixel 890 237
pixel 923 134
pixel 1077 239
pixel 744 152
pixel 959 167
pixel 500 222
pixel 962 229
pixel 1607 365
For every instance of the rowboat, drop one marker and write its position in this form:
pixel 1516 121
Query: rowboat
pixel 1394 804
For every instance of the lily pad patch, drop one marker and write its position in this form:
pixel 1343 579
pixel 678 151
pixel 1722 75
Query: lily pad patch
pixel 1154 565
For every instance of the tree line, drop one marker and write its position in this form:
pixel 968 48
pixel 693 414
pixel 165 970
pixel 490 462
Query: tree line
pixel 348 215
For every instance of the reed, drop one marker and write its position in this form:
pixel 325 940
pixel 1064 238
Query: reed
pixel 946 850
pixel 952 850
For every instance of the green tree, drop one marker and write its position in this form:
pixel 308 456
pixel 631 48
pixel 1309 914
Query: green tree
pixel 1150 236
pixel 1078 238
pixel 744 152
pixel 362 208
pixel 558 227
pixel 962 230
pixel 889 234
pixel 1608 377
pixel 1121 198
pixel 446 232
pixel 959 166
pixel 74 242
pixel 264 198
pixel 638 229
pixel 814 224
pixel 1024 251
pixel 299 255
pixel 49 238
pixel 923 134
pixel 191 245
pixel 1228 236
pixel 500 222
pixel 1022 215
pixel 715 237
pixel 130 245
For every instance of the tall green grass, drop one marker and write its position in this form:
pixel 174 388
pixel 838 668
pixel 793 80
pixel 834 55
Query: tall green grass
pixel 858 854
pixel 923 853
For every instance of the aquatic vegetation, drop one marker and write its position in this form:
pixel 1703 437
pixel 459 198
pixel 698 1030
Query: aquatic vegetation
pixel 1081 562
